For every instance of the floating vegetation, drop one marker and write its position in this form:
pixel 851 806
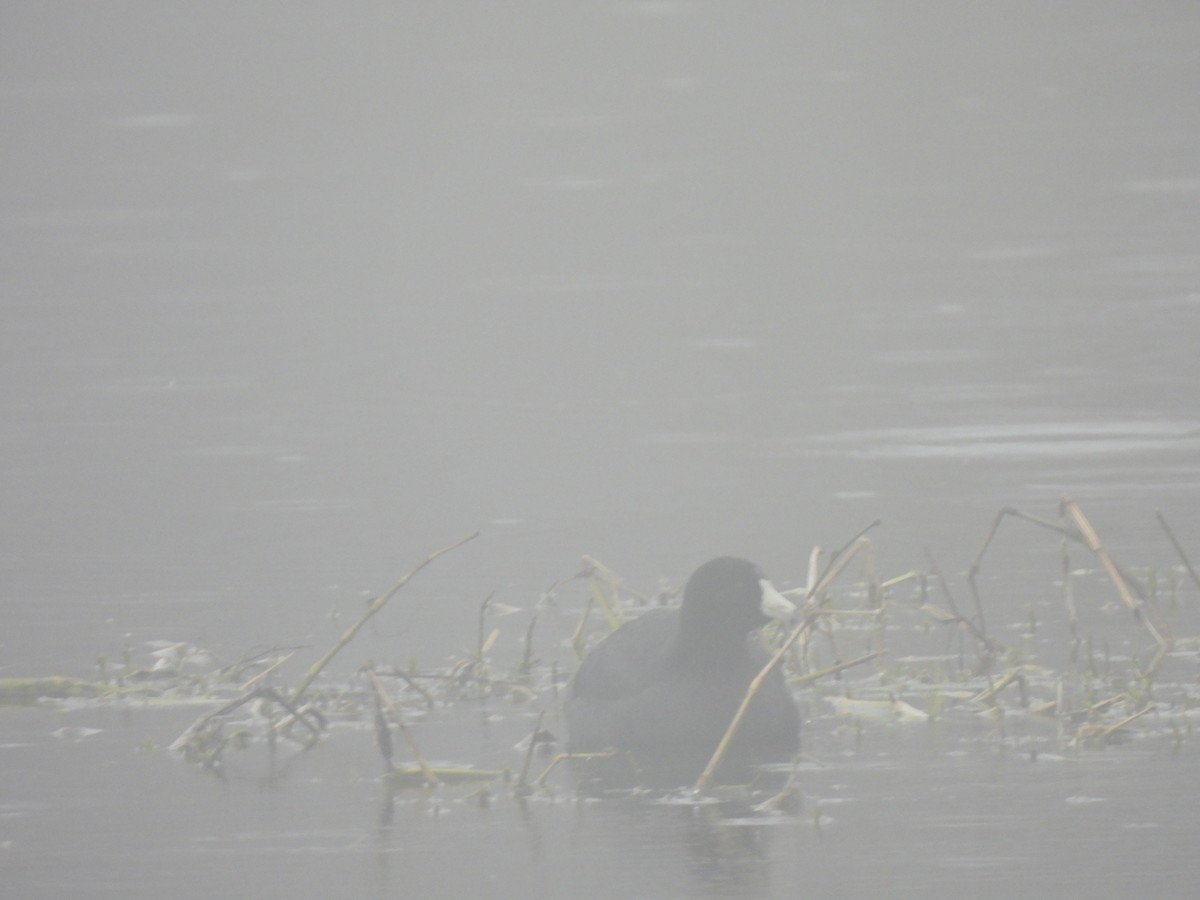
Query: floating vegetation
pixel 865 655
pixel 27 691
pixel 877 710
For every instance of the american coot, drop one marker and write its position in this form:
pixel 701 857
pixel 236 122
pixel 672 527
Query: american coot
pixel 666 685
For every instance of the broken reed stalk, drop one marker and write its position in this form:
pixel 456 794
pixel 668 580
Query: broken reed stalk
pixel 719 754
pixel 540 781
pixel 522 787
pixel 1101 705
pixel 27 691
pixel 874 591
pixel 811 613
pixel 482 624
pixel 258 693
pixel 411 682
pixel 799 651
pixel 1016 514
pixel 253 682
pixel 595 569
pixel 1187 563
pixel 852 613
pixel 579 638
pixel 527 655
pixel 840 667
pixel 1084 533
pixel 1140 610
pixel 914 575
pixel 1113 729
pixel 855 543
pixel 376 605
pixel 977 631
pixel 612 611
pixel 986 695
pixel 1005 513
pixel 838 561
pixel 383 737
pixel 978 605
pixel 814 569
pixel 386 700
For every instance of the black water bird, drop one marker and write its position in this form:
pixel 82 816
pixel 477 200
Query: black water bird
pixel 665 686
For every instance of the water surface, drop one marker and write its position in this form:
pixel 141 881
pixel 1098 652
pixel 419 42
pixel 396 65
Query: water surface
pixel 293 296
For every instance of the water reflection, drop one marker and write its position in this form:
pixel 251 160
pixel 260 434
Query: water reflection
pixel 721 859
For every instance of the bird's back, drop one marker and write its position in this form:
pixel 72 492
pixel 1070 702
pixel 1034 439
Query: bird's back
pixel 628 660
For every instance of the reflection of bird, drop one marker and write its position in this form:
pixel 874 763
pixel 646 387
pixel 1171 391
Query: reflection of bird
pixel 665 686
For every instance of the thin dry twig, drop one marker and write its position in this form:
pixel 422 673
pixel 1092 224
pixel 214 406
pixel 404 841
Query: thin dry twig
pixel 1187 563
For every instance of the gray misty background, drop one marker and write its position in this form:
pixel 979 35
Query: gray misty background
pixel 296 293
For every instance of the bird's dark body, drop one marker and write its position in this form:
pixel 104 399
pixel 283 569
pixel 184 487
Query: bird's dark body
pixel 664 688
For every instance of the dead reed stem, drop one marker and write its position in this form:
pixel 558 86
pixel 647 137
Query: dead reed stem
pixel 253 682
pixel 1005 513
pixel 1178 548
pixel 269 694
pixel 483 607
pixel 811 613
pixel 612 611
pixel 719 754
pixel 411 682
pixel 840 667
pixel 1113 729
pixel 386 700
pixel 596 569
pixel 376 605
pixel 977 631
pixel 1140 610
pixel 986 695
pixel 523 779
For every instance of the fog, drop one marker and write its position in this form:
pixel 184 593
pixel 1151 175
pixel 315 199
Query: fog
pixel 295 294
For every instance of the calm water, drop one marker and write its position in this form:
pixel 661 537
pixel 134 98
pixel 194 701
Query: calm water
pixel 293 296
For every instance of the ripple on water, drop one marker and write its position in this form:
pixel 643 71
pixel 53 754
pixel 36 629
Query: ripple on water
pixel 1023 440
